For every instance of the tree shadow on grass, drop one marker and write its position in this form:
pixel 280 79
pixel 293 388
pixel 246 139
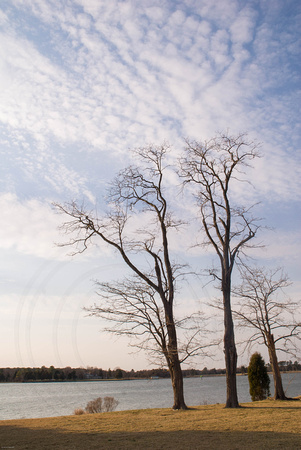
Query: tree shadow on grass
pixel 21 438
pixel 293 404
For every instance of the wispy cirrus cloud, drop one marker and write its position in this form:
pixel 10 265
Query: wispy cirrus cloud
pixel 32 227
pixel 29 227
pixel 126 76
pixel 103 78
pixel 93 76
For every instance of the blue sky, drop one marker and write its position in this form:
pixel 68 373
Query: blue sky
pixel 82 82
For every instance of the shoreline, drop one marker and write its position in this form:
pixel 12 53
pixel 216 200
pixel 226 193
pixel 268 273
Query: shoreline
pixel 87 380
pixel 269 401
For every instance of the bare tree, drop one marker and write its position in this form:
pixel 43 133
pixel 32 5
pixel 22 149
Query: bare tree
pixel 147 305
pixel 271 319
pixel 133 308
pixel 214 166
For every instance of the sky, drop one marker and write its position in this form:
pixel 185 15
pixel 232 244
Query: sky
pixel 84 81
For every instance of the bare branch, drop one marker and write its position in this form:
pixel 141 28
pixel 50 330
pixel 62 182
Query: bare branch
pixel 259 307
pixel 142 307
pixel 211 167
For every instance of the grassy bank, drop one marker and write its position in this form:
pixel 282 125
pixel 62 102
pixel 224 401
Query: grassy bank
pixel 259 425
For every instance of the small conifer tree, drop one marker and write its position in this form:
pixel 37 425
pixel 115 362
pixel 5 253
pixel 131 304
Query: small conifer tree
pixel 259 380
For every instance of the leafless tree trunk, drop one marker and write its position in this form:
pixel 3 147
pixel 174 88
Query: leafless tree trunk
pixel 138 190
pixel 278 387
pixel 132 308
pixel 271 320
pixel 212 166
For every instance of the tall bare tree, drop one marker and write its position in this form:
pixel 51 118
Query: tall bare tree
pixel 214 167
pixel 272 319
pixel 138 193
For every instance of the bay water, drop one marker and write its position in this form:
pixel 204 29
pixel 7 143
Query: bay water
pixel 49 399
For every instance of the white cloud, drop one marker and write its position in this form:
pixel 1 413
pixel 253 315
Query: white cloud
pixel 84 81
pixel 190 82
pixel 29 227
pixel 242 28
pixel 113 88
pixel 276 175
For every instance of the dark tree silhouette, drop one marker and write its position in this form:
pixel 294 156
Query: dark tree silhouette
pixel 269 313
pixel 142 305
pixel 213 167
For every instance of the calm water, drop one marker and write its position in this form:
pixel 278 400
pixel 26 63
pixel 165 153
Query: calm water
pixel 30 400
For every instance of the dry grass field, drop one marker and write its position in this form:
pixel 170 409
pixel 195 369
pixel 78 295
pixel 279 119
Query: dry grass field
pixel 260 425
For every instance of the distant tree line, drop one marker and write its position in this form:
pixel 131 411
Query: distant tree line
pixel 22 374
pixel 31 374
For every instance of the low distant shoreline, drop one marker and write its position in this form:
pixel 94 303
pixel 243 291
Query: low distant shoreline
pixel 87 380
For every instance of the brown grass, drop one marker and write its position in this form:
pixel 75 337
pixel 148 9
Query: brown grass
pixel 259 425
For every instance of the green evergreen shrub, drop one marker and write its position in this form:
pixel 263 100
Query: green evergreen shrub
pixel 259 380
